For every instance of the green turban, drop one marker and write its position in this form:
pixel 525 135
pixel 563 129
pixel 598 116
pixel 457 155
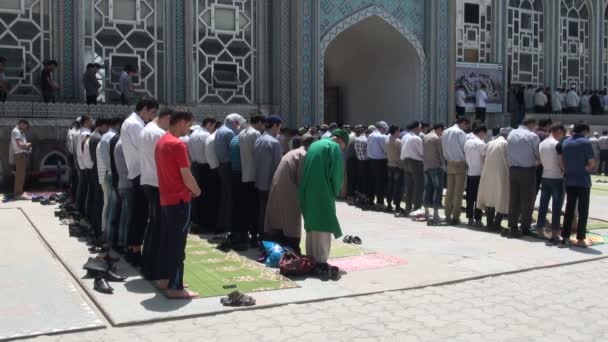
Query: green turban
pixel 340 133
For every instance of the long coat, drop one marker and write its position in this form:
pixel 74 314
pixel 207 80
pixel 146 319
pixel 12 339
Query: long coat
pixel 283 209
pixel 494 183
pixel 321 183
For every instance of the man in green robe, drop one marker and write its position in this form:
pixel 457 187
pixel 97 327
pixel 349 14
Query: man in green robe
pixel 321 183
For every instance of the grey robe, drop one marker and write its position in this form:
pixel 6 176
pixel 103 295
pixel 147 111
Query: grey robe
pixel 283 210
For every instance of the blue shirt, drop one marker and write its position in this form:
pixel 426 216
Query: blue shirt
pixel 235 154
pixel 223 137
pixel 375 145
pixel 577 151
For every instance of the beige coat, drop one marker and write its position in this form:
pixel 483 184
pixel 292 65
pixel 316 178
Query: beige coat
pixel 283 209
pixel 494 183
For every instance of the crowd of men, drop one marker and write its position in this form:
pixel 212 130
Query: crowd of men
pixel 500 173
pixel 561 100
pixel 141 181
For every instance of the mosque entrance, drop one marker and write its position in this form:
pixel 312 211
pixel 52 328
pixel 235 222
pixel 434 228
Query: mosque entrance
pixel 372 72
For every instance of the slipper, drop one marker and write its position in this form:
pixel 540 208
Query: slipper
pixel 419 219
pixel 356 240
pixel 348 239
pixel 236 298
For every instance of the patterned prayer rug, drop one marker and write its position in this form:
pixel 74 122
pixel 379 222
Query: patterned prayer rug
pixel 366 262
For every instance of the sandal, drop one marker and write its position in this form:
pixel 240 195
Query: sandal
pixel 236 298
pixel 348 239
pixel 356 240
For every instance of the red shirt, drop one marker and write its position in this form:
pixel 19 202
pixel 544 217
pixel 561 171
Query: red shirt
pixel 171 155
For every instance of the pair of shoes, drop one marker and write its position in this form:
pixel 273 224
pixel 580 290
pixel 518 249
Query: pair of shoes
pixel 322 271
pixel 101 285
pixel 108 275
pixel 352 239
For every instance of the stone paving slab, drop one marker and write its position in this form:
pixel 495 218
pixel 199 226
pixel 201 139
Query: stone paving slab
pixel 36 296
pixel 433 254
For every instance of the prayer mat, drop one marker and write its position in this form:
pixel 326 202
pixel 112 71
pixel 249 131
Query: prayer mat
pixel 208 271
pixel 594 238
pixel 340 249
pixel 366 262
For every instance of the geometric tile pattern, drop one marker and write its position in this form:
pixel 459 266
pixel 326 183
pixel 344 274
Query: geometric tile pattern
pixel 227 49
pixel 26 40
pixel 443 66
pixel 574 49
pixel 474 35
pixel 121 32
pixel 605 43
pixel 525 41
pixel 396 24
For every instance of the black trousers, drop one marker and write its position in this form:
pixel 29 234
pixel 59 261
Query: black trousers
pixel 140 214
pixel 395 186
pixel 239 222
pixel 197 173
pixel 209 204
pixel 363 177
pixel 250 208
pixel 414 178
pixel 472 190
pixel 224 220
pixel 176 222
pixel 460 111
pixel 263 201
pixel 539 177
pixel 94 207
pixel 81 192
pixel 124 100
pixel 154 252
pixel 351 176
pixel 480 114
pixel 378 179
pixel 576 195
pixel 522 186
pixel 73 178
pixel 91 99
pixel 603 167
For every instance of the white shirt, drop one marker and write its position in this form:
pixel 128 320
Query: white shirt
pixel 461 98
pixel 130 134
pixel 474 152
pixel 411 147
pixel 84 133
pixel 87 161
pixel 529 98
pixel 452 142
pixel 150 136
pixel 69 143
pixel 16 135
pixel 586 104
pixel 214 163
pixel 247 140
pixel 572 99
pixel 540 99
pixel 556 101
pixel 480 99
pixel 550 159
pixel 196 145
pixel 101 167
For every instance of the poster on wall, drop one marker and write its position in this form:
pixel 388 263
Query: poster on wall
pixel 472 76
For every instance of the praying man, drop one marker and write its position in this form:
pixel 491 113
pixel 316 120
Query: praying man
pixel 320 185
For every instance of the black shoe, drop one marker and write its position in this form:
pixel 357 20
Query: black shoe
pixel 111 276
pixel 528 232
pixel 454 222
pixel 514 235
pixel 322 271
pixel 470 222
pixel 504 232
pixel 565 243
pixel 554 241
pixel 101 285
pixel 388 209
pixel 95 264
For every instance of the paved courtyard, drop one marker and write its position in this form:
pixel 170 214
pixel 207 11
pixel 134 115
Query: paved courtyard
pixel 449 283
pixel 557 304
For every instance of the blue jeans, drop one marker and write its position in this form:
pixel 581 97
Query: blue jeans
pixel 126 215
pixel 551 189
pixel 433 187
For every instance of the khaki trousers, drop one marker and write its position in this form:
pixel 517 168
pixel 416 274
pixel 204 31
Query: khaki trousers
pixel 453 198
pixel 20 169
pixel 318 245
